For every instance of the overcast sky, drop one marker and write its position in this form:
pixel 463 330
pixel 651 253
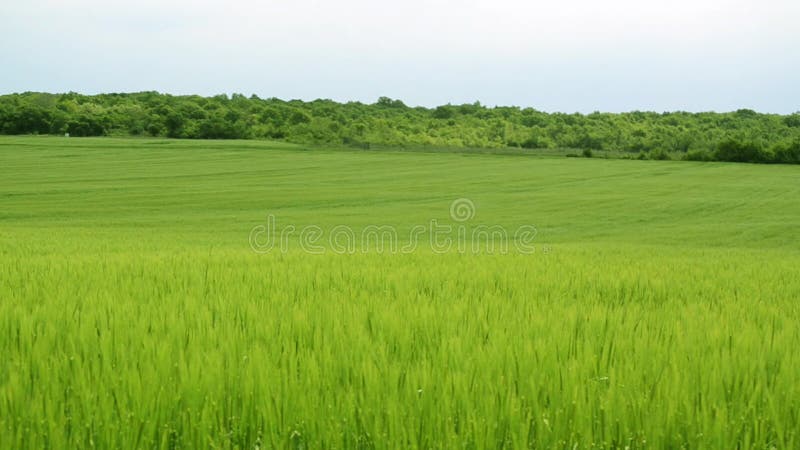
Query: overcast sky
pixel 555 55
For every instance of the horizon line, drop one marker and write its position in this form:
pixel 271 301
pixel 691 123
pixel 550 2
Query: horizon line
pixel 478 103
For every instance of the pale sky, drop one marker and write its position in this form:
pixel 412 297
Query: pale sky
pixel 565 55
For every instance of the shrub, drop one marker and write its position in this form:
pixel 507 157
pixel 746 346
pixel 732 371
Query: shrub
pixel 85 125
pixel 735 151
pixel 660 155
pixel 444 112
pixel 697 155
pixel 792 120
pixel 787 152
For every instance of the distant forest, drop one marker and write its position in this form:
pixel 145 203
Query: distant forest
pixel 742 136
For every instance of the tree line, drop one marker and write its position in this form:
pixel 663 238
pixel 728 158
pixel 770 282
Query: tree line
pixel 742 136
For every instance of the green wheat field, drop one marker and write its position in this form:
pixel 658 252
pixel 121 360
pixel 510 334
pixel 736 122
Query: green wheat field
pixel 659 308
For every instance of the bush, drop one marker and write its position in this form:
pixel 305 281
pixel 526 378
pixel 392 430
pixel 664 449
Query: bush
pixel 697 155
pixel 535 142
pixel 787 152
pixel 85 125
pixel 660 155
pixel 732 150
pixel 792 120
pixel 444 112
pixel 587 153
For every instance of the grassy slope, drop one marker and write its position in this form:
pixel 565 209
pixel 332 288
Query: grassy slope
pixel 222 189
pixel 134 314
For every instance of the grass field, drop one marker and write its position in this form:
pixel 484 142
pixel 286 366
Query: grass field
pixel 658 310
